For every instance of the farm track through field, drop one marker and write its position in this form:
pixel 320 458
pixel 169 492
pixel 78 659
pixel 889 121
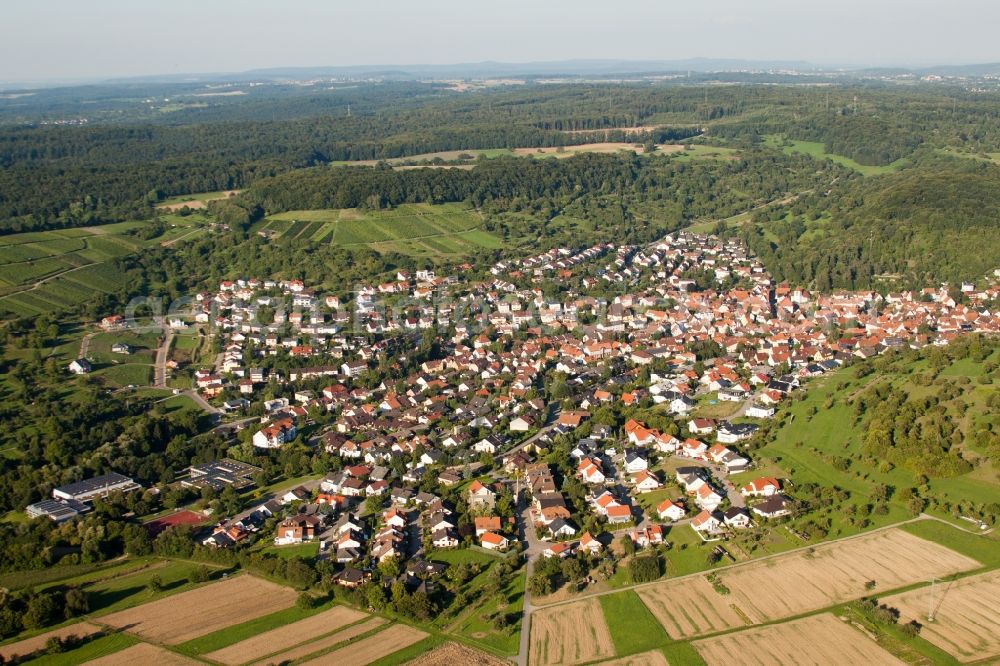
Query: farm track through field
pixel 49 278
pixel 83 241
pixel 522 656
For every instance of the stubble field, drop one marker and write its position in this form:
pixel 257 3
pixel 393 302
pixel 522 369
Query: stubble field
pixel 651 658
pixel 818 640
pixel 690 607
pixel 838 572
pixel 287 636
pixel 36 643
pixel 373 648
pixel 201 611
pixel 308 648
pixel 142 653
pixel 966 615
pixel 570 634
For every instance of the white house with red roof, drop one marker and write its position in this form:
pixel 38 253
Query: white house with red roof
pixel 762 487
pixel 669 510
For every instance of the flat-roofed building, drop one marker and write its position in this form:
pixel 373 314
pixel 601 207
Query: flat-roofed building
pixel 56 510
pixel 99 486
pixel 221 473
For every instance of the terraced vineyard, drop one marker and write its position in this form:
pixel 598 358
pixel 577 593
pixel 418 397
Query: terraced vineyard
pixel 423 230
pixel 49 271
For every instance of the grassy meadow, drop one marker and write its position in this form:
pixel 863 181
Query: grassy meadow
pixel 817 150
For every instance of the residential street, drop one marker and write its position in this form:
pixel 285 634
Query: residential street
pixel 534 551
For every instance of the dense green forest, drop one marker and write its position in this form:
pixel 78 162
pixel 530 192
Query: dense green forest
pixel 914 228
pixel 54 176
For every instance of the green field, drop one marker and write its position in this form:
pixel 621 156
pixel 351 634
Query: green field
pixel 420 230
pixel 818 150
pixel 633 628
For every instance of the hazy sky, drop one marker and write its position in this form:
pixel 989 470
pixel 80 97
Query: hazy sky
pixel 66 39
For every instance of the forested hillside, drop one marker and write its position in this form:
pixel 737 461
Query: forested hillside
pixel 931 220
pixel 914 228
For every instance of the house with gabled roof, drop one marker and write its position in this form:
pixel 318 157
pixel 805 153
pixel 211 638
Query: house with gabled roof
pixel 494 541
pixel 706 523
pixel 669 510
pixel 481 496
pixel 764 486
pixel 645 482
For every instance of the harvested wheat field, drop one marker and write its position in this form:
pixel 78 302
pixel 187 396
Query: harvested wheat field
pixel 966 615
pixel 373 648
pixel 286 637
pixel 142 653
pixel 570 634
pixel 456 654
pixel 837 572
pixel 201 611
pixel 819 640
pixel 690 607
pixel 651 658
pixel 36 643
pixel 324 643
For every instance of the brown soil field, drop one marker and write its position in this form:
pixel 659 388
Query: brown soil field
pixel 690 607
pixel 837 572
pixel 35 643
pixel 143 653
pixel 456 654
pixel 818 640
pixel 570 634
pixel 201 611
pixel 651 658
pixel 324 643
pixel 966 615
pixel 373 648
pixel 287 636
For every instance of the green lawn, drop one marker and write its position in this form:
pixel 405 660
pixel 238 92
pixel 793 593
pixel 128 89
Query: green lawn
pixel 633 628
pixel 815 433
pixel 126 374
